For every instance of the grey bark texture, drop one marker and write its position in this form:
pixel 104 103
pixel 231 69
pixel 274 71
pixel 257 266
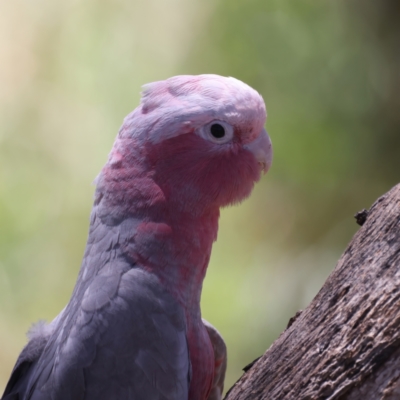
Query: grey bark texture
pixel 346 344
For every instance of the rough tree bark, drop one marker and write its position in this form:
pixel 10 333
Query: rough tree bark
pixel 346 344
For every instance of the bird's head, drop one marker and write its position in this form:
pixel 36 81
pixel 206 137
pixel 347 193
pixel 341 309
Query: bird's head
pixel 201 139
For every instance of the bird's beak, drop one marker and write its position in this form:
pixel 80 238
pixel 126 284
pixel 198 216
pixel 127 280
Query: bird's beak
pixel 261 147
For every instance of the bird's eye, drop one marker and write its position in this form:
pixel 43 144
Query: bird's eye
pixel 217 132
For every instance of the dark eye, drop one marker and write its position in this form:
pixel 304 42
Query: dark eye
pixel 217 130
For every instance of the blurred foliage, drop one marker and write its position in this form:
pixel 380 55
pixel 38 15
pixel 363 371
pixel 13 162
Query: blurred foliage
pixel 69 73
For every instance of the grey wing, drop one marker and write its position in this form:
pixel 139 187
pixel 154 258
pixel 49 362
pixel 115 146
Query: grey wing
pixel 220 361
pixel 24 367
pixel 125 340
pixel 27 360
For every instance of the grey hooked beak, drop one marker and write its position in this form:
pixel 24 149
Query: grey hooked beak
pixel 261 147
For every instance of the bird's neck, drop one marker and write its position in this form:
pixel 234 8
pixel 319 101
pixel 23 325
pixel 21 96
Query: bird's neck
pixel 177 249
pixel 159 236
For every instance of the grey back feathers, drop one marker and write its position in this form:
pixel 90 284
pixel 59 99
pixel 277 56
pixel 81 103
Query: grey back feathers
pixel 122 336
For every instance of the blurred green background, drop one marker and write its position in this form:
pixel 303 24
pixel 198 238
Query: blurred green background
pixel 70 71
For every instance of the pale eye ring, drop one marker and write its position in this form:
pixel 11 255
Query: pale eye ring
pixel 217 132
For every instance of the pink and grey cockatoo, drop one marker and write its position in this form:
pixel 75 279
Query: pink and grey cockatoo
pixel 133 327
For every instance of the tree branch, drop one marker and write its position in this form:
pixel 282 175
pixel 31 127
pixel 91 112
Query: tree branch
pixel 346 344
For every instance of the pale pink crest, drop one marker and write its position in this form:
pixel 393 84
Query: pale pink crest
pixel 185 102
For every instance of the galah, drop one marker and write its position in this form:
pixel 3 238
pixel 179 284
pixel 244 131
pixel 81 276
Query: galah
pixel 133 328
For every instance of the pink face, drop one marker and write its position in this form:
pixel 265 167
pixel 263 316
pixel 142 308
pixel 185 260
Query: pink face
pixel 194 169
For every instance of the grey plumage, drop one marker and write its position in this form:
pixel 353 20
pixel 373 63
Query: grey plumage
pixel 121 336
